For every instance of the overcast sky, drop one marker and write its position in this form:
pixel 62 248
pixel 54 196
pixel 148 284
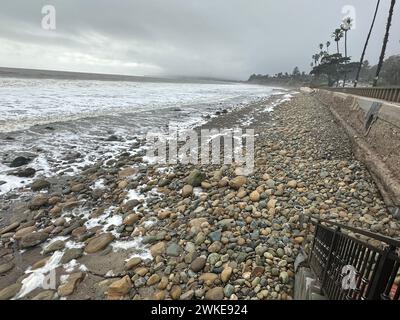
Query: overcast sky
pixel 215 38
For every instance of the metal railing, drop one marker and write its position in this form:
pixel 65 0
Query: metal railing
pixel 336 257
pixel 391 94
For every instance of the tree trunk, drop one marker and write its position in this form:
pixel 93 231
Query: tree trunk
pixel 385 41
pixel 366 44
pixel 345 54
pixel 337 45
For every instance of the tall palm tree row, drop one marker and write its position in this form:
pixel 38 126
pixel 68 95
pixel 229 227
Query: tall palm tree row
pixel 366 44
pixel 385 42
pixel 342 32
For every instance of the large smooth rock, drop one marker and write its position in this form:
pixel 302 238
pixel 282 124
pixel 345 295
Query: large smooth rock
pixel 10 291
pixel 118 289
pixel 69 287
pixel 99 242
pixel 19 161
pixel 33 239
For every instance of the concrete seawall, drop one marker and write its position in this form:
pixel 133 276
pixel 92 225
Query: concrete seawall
pixel 374 128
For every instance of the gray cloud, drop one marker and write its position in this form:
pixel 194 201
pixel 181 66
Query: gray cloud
pixel 219 38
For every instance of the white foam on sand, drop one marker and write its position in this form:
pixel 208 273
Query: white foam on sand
pixel 74 245
pixel 37 277
pixel 106 220
pixel 11 182
pixel 134 195
pixel 135 245
pixel 99 184
pixel 46 244
pixel 73 265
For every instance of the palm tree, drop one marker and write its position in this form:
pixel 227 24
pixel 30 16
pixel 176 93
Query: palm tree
pixel 385 41
pixel 346 27
pixel 328 44
pixel 366 44
pixel 337 35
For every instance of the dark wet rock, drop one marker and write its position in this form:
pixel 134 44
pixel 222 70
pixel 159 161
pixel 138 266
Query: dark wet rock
pixel 25 173
pixel 19 162
pixel 195 178
pixel 113 137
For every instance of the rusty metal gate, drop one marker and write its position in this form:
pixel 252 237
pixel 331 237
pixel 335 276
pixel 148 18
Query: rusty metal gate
pixel 336 256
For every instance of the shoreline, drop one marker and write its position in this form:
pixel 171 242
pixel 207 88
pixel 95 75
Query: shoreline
pixel 228 237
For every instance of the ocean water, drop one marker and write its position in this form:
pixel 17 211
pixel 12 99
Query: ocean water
pixel 64 124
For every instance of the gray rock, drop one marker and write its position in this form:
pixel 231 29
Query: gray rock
pixel 173 250
pixel 71 254
pixel 215 236
pixel 55 246
pixel 40 184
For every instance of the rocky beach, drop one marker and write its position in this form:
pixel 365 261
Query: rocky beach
pixel 127 229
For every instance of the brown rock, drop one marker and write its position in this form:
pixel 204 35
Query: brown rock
pixel 208 278
pixel 119 288
pixel 33 239
pixel 131 219
pixel 9 228
pixel 226 274
pixel 255 196
pixel 68 288
pixel 187 191
pixel 10 291
pixel 159 295
pixel 40 184
pixel 198 264
pixel 6 267
pixel 238 182
pixel 155 278
pixel 132 263
pixel 23 232
pixel 257 271
pixel 127 172
pixel 216 293
pixel 175 292
pixel 99 242
pixel 292 184
pixel 38 202
pixel 157 249
pixel 77 187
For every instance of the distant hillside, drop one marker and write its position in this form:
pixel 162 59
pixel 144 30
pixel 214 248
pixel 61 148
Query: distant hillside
pixel 52 74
